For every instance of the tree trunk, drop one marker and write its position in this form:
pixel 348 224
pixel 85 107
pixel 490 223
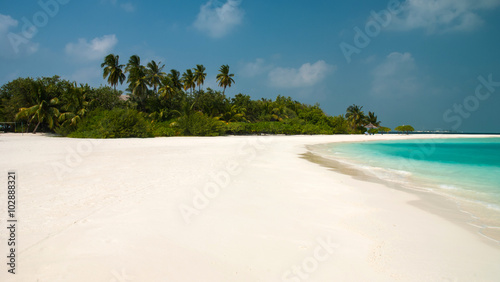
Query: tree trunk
pixel 36 127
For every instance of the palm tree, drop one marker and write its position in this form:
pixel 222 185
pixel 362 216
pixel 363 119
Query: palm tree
pixel 167 89
pixel 138 77
pixel 134 62
pixel 234 114
pixel 355 116
pixel 199 75
pixel 224 78
pixel 113 70
pixel 154 74
pixel 44 109
pixel 175 77
pixel 140 86
pixel 372 118
pixel 188 79
pixel 76 105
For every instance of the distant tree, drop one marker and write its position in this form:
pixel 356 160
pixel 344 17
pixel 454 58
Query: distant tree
pixel 199 75
pixel 113 70
pixel 355 116
pixel 372 118
pixel 383 129
pixel 224 78
pixel 405 128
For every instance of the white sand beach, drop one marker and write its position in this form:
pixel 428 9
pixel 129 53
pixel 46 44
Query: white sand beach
pixel 222 209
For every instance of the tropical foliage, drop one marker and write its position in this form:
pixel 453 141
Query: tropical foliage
pixel 356 118
pixel 44 110
pixel 157 103
pixel 405 128
pixel 113 70
pixel 224 78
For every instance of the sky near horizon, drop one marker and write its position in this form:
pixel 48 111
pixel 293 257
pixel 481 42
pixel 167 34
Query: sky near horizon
pixel 434 64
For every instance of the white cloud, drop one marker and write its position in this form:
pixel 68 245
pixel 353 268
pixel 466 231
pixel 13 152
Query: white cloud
pixel 253 69
pixel 395 77
pixel 216 20
pixel 128 7
pixel 6 22
pixel 443 15
pixel 96 49
pixel 306 75
pixel 11 43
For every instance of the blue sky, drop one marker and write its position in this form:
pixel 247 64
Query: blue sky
pixel 434 64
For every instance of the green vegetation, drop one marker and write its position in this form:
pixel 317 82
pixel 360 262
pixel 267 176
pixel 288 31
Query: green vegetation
pixel 405 128
pixel 116 123
pixel 163 104
pixel 383 129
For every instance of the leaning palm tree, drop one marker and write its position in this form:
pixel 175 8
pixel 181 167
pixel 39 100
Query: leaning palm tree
pixel 44 110
pixel 372 118
pixel 224 78
pixel 154 74
pixel 355 116
pixel 199 75
pixel 188 79
pixel 113 70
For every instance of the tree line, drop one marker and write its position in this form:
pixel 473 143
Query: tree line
pixel 163 104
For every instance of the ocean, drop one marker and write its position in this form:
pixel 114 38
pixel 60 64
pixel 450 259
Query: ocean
pixel 465 170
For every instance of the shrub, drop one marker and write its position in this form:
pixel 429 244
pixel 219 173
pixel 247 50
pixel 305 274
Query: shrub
pixel 199 124
pixel 116 123
pixel 163 129
pixel 238 128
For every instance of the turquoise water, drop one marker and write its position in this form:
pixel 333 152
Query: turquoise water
pixel 466 170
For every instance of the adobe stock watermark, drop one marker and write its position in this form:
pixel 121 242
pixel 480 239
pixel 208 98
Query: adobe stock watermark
pixel 426 148
pixel 322 252
pixel 40 19
pixel 372 29
pixel 220 180
pixel 74 157
pixel 471 103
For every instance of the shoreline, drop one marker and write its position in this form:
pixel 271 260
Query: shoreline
pixel 436 203
pixel 470 210
pixel 255 209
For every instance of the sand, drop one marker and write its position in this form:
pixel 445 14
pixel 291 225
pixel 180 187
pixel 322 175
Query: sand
pixel 222 209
